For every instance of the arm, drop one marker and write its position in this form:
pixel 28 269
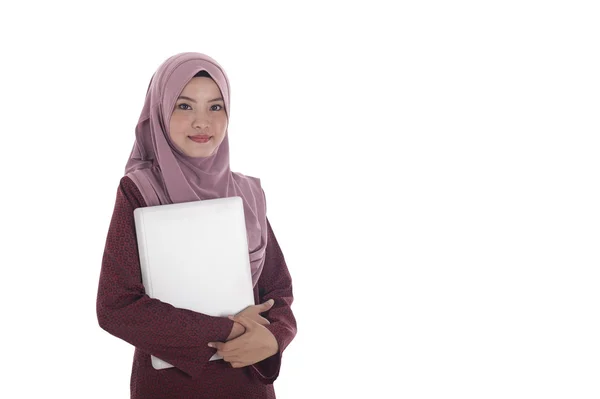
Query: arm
pixel 275 283
pixel 177 336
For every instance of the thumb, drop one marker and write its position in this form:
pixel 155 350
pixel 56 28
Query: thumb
pixel 267 305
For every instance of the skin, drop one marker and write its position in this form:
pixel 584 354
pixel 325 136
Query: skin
pixel 249 341
pixel 202 112
pixel 256 344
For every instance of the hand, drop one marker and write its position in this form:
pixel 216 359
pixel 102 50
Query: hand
pixel 253 312
pixel 236 331
pixel 255 345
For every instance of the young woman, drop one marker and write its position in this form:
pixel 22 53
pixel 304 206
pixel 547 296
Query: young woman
pixel 181 154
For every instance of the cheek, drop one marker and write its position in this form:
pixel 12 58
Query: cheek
pixel 176 128
pixel 221 125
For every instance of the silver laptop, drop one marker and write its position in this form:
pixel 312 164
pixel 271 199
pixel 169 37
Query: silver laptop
pixel 194 255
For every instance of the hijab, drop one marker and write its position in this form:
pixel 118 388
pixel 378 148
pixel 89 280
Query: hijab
pixel 165 175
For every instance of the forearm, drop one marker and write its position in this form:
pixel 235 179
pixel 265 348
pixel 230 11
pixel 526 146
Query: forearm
pixel 177 336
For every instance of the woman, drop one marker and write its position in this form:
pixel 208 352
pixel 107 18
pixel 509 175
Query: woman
pixel 181 154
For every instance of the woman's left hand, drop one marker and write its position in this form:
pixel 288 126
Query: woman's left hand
pixel 256 344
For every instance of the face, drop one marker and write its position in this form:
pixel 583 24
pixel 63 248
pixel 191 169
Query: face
pixel 199 111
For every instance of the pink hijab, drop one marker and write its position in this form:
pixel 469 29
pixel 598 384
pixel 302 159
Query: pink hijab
pixel 165 175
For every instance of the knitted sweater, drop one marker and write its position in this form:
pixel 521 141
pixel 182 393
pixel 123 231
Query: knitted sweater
pixel 180 336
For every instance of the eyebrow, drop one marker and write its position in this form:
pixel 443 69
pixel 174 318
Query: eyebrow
pixel 194 101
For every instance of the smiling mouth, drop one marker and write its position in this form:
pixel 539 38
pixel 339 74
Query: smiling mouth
pixel 200 139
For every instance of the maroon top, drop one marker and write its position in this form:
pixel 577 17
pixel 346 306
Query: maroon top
pixel 180 336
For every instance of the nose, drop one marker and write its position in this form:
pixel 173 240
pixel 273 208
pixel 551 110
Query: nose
pixel 200 124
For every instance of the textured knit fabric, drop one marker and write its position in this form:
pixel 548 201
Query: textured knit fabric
pixel 180 336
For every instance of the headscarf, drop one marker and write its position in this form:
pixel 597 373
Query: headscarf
pixel 165 175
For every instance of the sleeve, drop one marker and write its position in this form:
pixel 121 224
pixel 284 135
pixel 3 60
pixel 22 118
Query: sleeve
pixel 275 283
pixel 177 336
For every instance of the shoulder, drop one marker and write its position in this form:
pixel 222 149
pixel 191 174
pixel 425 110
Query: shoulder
pixel 240 177
pixel 130 192
pixel 245 180
pixel 254 184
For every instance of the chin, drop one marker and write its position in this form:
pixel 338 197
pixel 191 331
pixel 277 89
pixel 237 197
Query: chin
pixel 201 154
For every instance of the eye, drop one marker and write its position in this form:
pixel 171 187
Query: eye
pixel 184 105
pixel 216 105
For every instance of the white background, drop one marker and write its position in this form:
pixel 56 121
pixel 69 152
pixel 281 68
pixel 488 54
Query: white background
pixel 431 171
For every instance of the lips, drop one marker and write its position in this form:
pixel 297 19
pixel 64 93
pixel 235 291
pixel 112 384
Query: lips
pixel 201 138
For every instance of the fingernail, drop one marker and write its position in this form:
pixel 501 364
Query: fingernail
pixel 211 345
pixel 230 317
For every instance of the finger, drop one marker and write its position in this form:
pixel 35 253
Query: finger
pixel 237 365
pixel 267 305
pixel 217 345
pixel 230 358
pixel 264 321
pixel 235 344
pixel 238 354
pixel 226 347
pixel 249 324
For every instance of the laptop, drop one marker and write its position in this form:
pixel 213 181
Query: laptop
pixel 194 255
